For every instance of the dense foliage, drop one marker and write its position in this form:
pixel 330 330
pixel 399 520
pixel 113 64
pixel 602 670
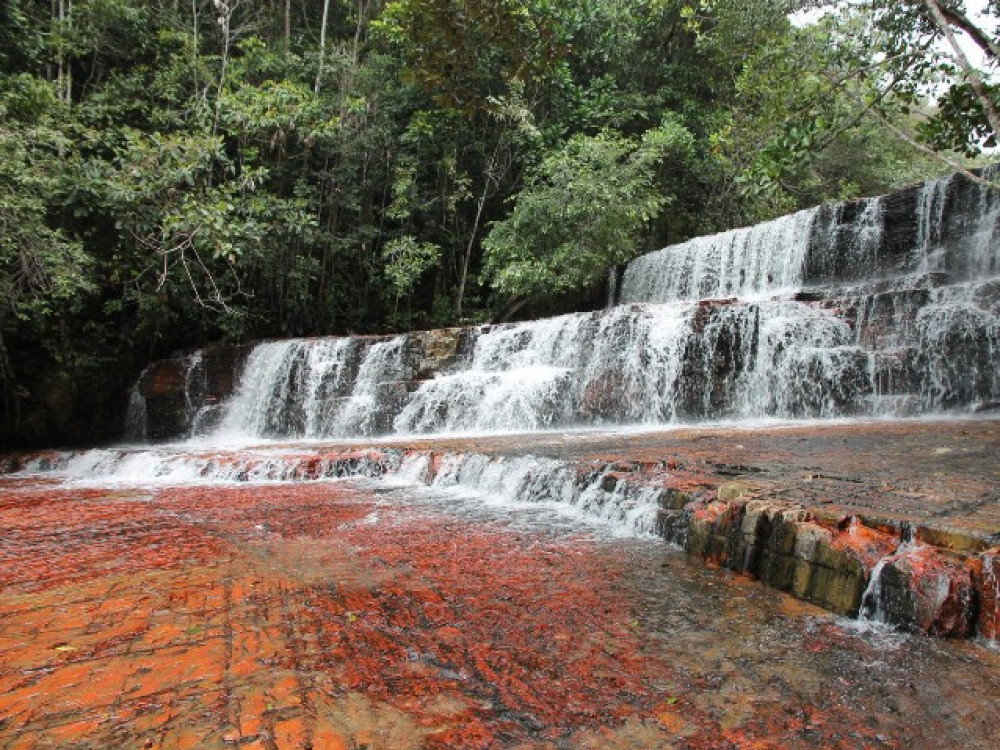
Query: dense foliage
pixel 173 173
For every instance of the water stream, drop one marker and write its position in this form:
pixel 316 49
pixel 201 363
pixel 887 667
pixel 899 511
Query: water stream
pixel 886 307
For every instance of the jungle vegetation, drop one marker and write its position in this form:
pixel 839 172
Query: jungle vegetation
pixel 177 172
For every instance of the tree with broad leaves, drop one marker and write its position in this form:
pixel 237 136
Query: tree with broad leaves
pixel 932 60
pixel 583 210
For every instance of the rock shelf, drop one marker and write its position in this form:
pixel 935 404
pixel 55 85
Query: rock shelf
pixel 896 522
pixel 813 510
pixel 317 614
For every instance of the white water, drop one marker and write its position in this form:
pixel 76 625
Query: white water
pixel 990 575
pixel 503 483
pixel 763 259
pixel 817 315
pixel 309 388
pixel 876 603
pixel 621 365
pixel 872 606
pixel 136 418
pixel 520 482
pixel 180 465
pixel 930 248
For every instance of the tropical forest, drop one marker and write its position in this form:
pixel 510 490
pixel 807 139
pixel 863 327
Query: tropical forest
pixel 180 172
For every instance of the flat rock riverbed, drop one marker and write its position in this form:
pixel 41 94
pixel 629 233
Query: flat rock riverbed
pixel 358 614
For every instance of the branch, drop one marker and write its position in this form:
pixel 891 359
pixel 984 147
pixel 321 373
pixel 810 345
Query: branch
pixel 959 20
pixel 975 81
pixel 943 158
pixel 857 118
pixel 513 305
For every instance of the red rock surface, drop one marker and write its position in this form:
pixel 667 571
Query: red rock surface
pixel 324 615
pixel 987 582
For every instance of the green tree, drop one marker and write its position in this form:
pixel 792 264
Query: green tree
pixel 45 275
pixel 332 167
pixel 904 64
pixel 582 211
pixel 462 52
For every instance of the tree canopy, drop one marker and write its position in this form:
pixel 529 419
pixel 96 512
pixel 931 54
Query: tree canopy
pixel 173 174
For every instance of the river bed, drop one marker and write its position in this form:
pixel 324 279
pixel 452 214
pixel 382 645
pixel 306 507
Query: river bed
pixel 350 614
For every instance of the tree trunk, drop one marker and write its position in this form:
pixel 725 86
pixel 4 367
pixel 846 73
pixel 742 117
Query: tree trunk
pixel 357 31
pixel 493 174
pixel 322 46
pixel 980 37
pixel 195 43
pixel 288 25
pixel 513 306
pixel 8 385
pixel 225 14
pixel 975 80
pixel 62 12
pixel 464 273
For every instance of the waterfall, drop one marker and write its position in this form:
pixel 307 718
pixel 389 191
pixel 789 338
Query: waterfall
pixel 376 393
pixel 595 495
pixel 614 365
pixel 765 258
pixel 309 388
pixel 516 482
pixel 984 253
pixel 991 588
pixel 882 307
pixel 265 392
pixel 136 417
pixel 929 249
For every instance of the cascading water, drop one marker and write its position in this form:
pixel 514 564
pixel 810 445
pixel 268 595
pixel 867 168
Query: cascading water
pixel 136 419
pixel 929 252
pixel 307 388
pixel 527 480
pixel 883 307
pixel 592 496
pixel 617 365
pixel 763 259
pixel 190 395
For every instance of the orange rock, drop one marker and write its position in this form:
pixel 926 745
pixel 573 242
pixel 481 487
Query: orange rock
pixel 987 581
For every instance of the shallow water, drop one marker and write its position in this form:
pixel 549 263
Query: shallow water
pixel 358 614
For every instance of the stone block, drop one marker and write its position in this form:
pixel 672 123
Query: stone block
pixel 923 591
pixel 960 540
pixel 436 350
pixel 986 575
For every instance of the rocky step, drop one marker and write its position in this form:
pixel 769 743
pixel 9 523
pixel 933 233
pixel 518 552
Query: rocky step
pixel 931 579
pixel 939 577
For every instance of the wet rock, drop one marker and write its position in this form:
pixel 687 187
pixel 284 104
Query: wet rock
pixel 864 543
pixel 673 526
pixel 986 575
pixel 923 591
pixel 436 350
pixel 733 490
pixel 675 499
pixel 176 390
pixel 809 296
pixel 782 546
pixel 603 396
pixel 829 574
pixel 162 386
pixel 777 548
pixel 809 540
pixel 946 537
pixel 755 526
pixel 708 530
